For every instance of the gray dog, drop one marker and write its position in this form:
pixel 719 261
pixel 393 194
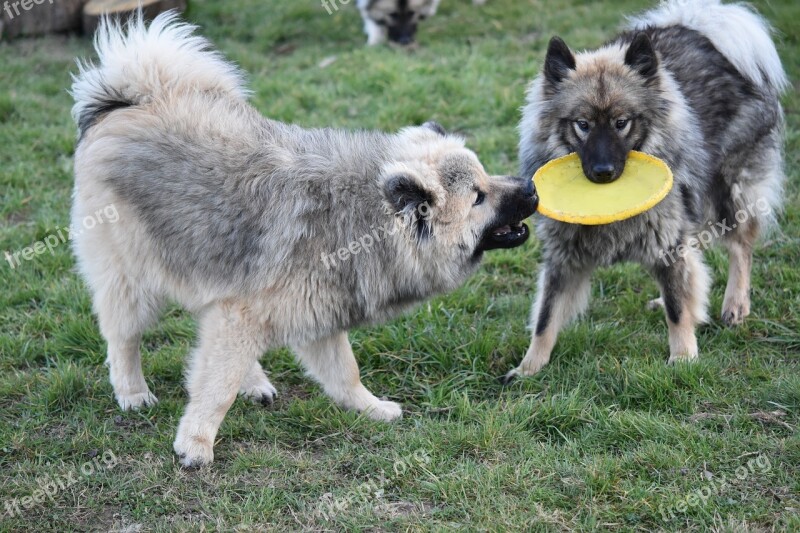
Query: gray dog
pixel 271 234
pixel 696 84
pixel 395 20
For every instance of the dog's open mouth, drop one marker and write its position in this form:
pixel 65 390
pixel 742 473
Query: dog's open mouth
pixel 508 236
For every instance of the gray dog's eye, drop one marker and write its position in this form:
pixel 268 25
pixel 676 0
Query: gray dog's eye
pixel 481 197
pixel 621 123
pixel 582 125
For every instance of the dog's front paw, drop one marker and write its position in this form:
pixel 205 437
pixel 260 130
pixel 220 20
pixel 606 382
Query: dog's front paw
pixel 734 311
pixel 384 411
pixel 510 376
pixel 655 304
pixel 686 357
pixel 528 367
pixel 194 452
pixel 519 372
pixel 135 401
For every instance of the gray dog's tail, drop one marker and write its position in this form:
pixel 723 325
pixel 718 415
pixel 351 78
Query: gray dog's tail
pixel 140 63
pixel 739 33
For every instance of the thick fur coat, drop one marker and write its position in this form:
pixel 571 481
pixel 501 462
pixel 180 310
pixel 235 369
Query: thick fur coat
pixel 271 234
pixel 696 84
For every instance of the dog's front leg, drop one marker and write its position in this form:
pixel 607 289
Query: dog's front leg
pixel 331 362
pixel 230 344
pixel 376 34
pixel 562 294
pixel 684 290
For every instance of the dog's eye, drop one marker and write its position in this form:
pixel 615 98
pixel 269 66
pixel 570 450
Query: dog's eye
pixel 621 123
pixel 481 197
pixel 582 125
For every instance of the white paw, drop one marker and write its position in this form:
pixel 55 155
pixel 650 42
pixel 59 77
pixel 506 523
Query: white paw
pixel 735 309
pixel 682 358
pixel 132 402
pixel 510 376
pixel 263 392
pixel 384 411
pixel 194 452
pixel 529 366
pixel 654 305
pixel 520 372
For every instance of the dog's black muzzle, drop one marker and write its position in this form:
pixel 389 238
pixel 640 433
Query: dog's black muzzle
pixel 507 230
pixel 403 34
pixel 603 156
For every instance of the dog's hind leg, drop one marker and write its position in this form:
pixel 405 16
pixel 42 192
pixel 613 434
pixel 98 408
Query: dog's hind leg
pixel 684 287
pixel 231 341
pixel 561 296
pixel 331 362
pixel 124 312
pixel 736 305
pixel 256 386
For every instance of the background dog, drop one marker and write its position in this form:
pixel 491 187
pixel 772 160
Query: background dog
pixel 271 234
pixel 696 84
pixel 396 20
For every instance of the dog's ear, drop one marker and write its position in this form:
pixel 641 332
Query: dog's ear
pixel 641 56
pixel 436 127
pixel 411 201
pixel 405 193
pixel 558 62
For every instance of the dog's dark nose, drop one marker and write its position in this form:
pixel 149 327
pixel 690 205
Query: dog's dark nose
pixel 529 190
pixel 405 39
pixel 603 172
pixel 527 199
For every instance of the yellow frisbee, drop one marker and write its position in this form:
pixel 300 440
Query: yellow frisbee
pixel 566 194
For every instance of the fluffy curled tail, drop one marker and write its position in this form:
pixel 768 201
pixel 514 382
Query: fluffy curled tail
pixel 139 62
pixel 737 31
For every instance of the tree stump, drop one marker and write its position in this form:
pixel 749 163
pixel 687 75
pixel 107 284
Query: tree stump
pixel 36 17
pixel 94 9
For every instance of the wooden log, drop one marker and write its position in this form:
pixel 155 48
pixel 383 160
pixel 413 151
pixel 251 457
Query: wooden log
pixel 37 17
pixel 94 9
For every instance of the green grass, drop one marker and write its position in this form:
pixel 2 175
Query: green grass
pixel 606 437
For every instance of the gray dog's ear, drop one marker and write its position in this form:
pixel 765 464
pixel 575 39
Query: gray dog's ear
pixel 558 62
pixel 405 193
pixel 641 56
pixel 435 126
pixel 412 201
